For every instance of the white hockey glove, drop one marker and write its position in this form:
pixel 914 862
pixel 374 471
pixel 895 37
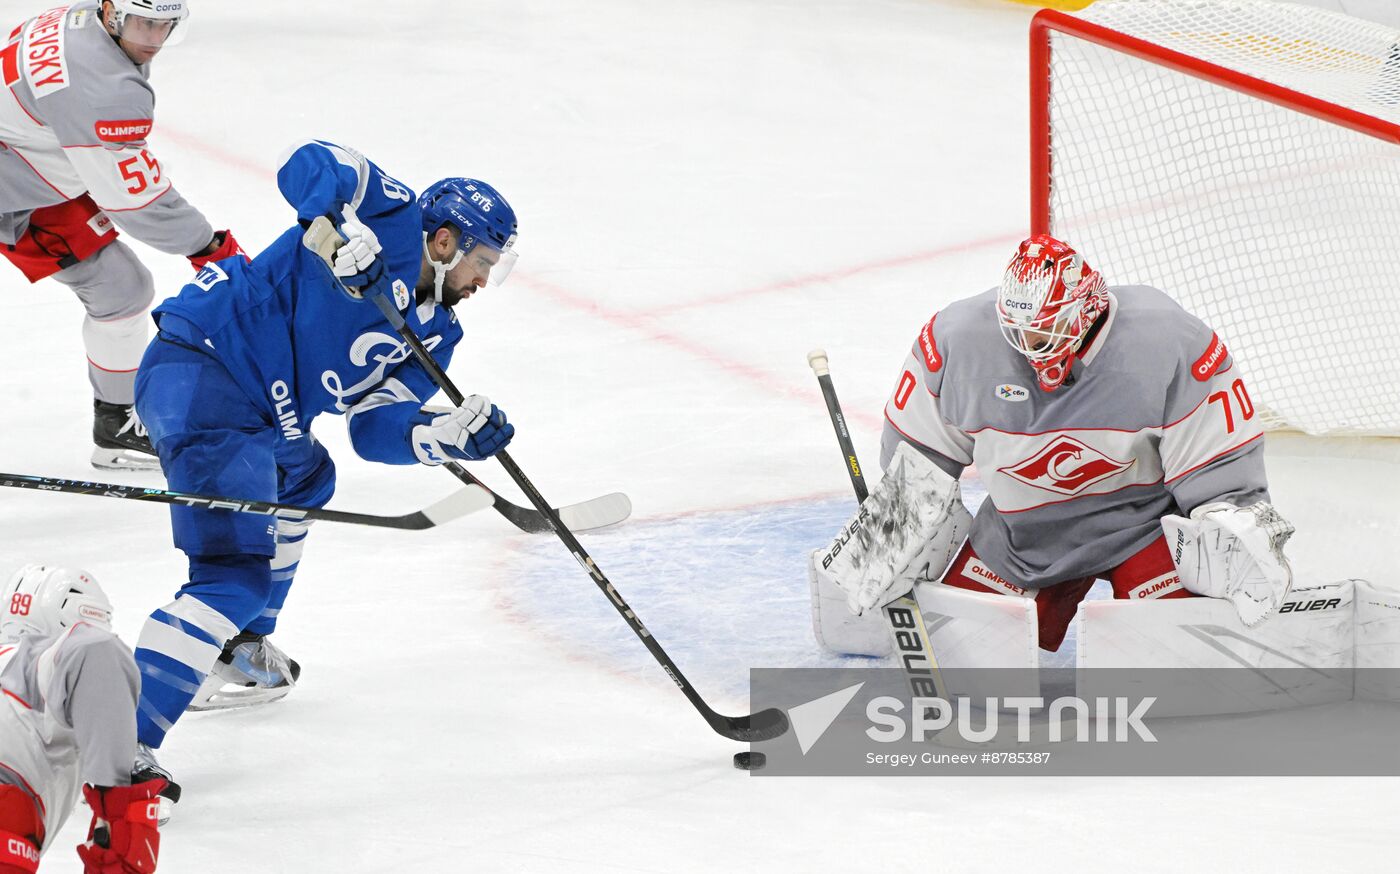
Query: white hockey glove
pixel 1235 553
pixel 475 430
pixel 908 530
pixel 357 253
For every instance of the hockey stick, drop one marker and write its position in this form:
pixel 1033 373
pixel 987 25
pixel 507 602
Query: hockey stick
pixel 322 238
pixel 764 725
pixel 594 513
pixel 906 622
pixel 459 503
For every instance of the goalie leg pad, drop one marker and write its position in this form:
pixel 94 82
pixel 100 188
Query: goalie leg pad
pixel 1302 656
pixel 972 632
pixel 1377 641
pixel 836 628
pixel 1054 605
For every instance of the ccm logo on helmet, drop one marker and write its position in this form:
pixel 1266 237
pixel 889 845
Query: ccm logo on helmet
pixel 1206 366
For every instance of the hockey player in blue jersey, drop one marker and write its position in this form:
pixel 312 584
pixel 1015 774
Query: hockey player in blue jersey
pixel 250 353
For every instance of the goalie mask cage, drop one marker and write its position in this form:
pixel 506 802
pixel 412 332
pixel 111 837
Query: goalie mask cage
pixel 1244 157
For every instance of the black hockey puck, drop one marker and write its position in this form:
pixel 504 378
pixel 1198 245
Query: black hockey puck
pixel 749 761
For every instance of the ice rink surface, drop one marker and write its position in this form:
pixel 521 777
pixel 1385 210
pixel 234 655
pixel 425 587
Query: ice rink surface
pixel 706 191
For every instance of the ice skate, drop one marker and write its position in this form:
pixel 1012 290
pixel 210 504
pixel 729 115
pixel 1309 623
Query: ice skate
pixel 120 438
pixel 147 768
pixel 250 671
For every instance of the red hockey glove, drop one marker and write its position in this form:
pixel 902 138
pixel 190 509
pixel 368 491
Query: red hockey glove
pixel 124 837
pixel 225 246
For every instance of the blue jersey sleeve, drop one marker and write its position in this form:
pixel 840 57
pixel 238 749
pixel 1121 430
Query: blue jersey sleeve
pixel 381 423
pixel 318 178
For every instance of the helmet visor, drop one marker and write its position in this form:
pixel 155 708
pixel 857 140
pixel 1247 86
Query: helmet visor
pixel 150 33
pixel 491 264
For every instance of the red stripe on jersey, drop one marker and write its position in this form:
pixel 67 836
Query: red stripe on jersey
pixel 108 369
pixel 1216 457
pixel 10 694
pixel 907 437
pixel 1079 497
pixel 929 348
pixel 1210 360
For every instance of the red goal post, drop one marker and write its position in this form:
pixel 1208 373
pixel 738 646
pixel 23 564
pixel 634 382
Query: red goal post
pixel 1244 156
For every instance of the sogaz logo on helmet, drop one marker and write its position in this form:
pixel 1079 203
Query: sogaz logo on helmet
pixel 1012 393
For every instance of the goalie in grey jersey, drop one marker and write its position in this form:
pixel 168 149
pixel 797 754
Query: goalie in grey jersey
pixel 68 692
pixel 1096 416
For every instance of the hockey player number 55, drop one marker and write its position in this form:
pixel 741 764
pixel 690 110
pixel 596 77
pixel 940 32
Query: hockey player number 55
pixel 136 175
pixel 1241 398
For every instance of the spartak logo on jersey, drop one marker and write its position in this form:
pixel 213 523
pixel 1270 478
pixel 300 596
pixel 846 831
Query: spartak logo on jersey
pixel 1208 363
pixel 1066 466
pixel 926 345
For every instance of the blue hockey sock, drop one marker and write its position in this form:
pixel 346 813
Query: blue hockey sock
pixel 291 540
pixel 181 641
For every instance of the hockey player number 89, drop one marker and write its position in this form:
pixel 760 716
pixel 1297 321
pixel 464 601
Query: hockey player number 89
pixel 19 604
pixel 1241 397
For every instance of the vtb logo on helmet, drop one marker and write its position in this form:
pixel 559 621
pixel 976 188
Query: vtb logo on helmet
pixel 481 217
pixel 1049 298
pixel 45 600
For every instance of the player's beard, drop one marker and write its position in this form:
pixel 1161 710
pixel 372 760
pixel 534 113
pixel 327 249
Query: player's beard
pixel 450 296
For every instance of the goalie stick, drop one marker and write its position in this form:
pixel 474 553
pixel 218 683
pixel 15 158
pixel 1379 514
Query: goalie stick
pixel 906 622
pixel 459 503
pixel 764 725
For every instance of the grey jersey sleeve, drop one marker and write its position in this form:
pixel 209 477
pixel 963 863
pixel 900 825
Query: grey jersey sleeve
pixel 1213 443
pixel 913 414
pixel 94 689
pixel 102 118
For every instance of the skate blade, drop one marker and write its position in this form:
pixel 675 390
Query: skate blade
pixel 236 697
pixel 123 459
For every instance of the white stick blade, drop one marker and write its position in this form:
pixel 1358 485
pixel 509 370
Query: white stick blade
pixel 596 513
pixel 459 503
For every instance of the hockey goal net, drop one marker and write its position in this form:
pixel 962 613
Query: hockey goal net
pixel 1243 156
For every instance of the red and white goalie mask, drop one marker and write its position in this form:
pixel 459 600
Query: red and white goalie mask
pixel 1048 301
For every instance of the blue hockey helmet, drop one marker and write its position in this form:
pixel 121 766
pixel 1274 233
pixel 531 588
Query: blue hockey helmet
pixel 481 217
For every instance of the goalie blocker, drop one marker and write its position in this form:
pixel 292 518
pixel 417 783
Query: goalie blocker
pixel 908 530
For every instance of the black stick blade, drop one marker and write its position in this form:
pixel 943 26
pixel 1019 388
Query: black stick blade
pixel 761 726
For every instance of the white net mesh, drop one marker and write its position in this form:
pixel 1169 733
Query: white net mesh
pixel 1280 230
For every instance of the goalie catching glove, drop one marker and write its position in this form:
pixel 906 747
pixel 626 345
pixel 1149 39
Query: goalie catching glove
pixel 1235 553
pixel 124 837
pixel 908 530
pixel 475 430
